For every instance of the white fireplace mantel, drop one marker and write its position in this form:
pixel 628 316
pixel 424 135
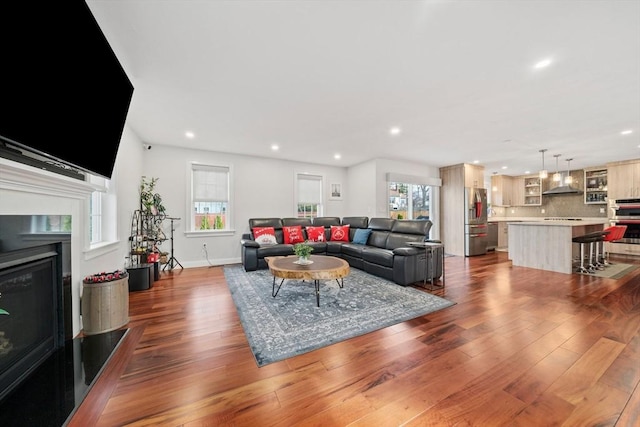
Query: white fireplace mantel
pixel 26 190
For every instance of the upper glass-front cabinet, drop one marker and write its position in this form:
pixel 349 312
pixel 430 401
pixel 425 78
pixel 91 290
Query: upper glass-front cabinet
pixel 532 191
pixel 595 186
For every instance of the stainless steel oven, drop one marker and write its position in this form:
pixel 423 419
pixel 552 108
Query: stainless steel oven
pixel 627 212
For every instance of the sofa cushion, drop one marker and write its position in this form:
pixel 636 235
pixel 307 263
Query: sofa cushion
pixel 292 235
pixel 356 221
pixel 352 249
pixel 339 233
pixel 412 226
pixel 361 236
pixel 326 221
pixel 265 236
pixel 303 222
pixel 383 257
pixel 316 234
pixel 275 250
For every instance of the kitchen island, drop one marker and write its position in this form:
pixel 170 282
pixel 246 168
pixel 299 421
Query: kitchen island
pixel 547 244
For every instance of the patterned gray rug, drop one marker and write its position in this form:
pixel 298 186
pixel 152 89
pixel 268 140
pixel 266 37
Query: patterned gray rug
pixel 291 324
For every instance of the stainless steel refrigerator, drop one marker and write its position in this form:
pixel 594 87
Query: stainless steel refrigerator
pixel 476 224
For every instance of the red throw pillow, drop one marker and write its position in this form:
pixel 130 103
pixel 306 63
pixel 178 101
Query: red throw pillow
pixel 339 233
pixel 264 235
pixel 293 235
pixel 315 234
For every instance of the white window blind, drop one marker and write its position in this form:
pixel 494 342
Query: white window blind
pixel 210 184
pixel 310 189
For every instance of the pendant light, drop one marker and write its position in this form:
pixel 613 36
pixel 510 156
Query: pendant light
pixel 557 177
pixel 567 179
pixel 543 172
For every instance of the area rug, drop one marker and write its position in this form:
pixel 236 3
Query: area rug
pixel 291 324
pixel 614 271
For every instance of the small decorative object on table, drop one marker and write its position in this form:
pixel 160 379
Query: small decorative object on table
pixel 303 251
pixel 106 277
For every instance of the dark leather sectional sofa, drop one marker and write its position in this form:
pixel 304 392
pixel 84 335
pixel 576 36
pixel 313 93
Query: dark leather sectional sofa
pixel 385 254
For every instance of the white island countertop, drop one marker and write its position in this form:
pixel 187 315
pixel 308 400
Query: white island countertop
pixel 542 219
pixel 547 244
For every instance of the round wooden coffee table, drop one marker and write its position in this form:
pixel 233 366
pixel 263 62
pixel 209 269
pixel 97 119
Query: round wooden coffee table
pixel 322 268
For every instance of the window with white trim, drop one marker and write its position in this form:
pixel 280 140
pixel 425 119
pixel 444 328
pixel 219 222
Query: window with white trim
pixel 308 195
pixel 210 199
pixel 410 201
pixel 95 218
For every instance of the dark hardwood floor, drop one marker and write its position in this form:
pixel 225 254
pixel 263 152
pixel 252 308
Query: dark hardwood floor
pixel 522 347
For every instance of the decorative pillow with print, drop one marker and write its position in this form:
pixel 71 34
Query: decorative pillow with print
pixel 316 234
pixel 339 233
pixel 293 234
pixel 265 236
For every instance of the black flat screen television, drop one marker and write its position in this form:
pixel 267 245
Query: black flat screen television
pixel 63 93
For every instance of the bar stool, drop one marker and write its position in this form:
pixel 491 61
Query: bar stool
pixel 616 232
pixel 592 240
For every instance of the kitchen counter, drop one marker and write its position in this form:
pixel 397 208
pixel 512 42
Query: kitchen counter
pixel 540 218
pixel 547 244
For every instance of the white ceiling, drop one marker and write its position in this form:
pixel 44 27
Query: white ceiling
pixel 326 77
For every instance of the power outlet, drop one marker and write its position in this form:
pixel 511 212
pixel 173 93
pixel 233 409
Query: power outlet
pixel 513 211
pixel 542 211
pixel 601 210
pixel 204 250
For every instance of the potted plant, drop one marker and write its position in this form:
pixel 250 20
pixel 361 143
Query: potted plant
pixel 151 203
pixel 303 251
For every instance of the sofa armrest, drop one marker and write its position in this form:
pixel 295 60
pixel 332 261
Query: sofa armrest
pixel 247 243
pixel 406 251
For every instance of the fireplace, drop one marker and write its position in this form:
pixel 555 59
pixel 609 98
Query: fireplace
pixel 31 291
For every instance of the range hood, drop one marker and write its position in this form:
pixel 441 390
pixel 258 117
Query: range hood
pixel 562 190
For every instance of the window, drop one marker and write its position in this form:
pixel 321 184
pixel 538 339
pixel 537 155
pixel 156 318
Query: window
pixel 409 201
pixel 210 197
pixel 308 195
pixel 95 218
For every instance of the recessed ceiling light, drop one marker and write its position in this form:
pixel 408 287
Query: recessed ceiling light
pixel 527 172
pixel 395 130
pixel 275 147
pixel 542 64
pixel 504 167
pixel 337 156
pixel 626 132
pixel 189 134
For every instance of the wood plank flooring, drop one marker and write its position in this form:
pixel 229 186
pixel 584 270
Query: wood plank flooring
pixel 522 347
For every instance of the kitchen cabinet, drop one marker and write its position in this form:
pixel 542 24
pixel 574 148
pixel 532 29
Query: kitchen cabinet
pixel 517 191
pixel 532 191
pixel 523 190
pixel 503 235
pixel 452 195
pixel 473 176
pixel 595 186
pixel 623 179
pixel 501 190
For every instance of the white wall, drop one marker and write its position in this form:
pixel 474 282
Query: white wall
pixel 261 187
